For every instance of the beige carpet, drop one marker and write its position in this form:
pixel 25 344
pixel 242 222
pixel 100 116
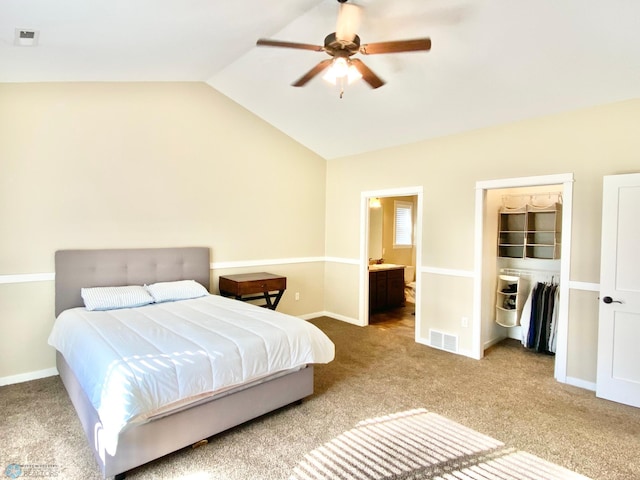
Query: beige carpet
pixel 509 396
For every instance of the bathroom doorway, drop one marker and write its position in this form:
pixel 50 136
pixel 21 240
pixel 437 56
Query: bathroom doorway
pixel 390 259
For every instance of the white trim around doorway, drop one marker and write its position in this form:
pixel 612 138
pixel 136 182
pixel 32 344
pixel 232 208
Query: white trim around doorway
pixel 363 308
pixel 566 180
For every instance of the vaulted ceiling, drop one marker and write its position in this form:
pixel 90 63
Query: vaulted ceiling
pixel 491 62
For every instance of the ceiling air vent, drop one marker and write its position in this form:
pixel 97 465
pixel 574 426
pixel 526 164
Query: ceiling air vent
pixel 26 38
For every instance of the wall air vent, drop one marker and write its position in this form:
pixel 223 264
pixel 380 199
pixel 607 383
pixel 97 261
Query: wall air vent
pixel 443 341
pixel 26 38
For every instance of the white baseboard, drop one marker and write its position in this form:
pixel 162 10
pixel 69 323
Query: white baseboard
pixel 336 316
pixel 309 316
pixel 343 318
pixel 577 382
pixel 491 343
pixel 25 377
pixel 467 353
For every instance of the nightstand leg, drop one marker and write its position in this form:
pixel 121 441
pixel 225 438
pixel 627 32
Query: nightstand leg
pixel 278 297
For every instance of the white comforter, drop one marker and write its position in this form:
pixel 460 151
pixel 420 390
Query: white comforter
pixel 137 362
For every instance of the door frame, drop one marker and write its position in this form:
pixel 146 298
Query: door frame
pixel 363 308
pixel 566 180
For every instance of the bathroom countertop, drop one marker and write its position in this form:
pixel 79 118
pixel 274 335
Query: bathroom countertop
pixel 384 266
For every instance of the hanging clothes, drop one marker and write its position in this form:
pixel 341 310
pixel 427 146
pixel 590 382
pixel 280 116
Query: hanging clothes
pixel 554 323
pixel 525 317
pixel 539 318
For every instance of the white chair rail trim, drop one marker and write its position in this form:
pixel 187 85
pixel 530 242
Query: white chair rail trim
pixel 27 277
pixel 49 277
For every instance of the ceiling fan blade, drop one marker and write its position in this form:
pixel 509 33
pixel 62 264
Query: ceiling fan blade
pixel 367 74
pixel 302 81
pixel 396 46
pixel 348 21
pixel 278 43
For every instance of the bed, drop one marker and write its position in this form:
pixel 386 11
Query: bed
pixel 133 417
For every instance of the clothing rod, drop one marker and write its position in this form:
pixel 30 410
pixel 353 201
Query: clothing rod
pixel 520 271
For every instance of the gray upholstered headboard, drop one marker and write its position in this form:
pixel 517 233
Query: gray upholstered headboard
pixel 108 268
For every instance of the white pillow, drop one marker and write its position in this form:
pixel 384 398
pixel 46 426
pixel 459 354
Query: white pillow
pixel 178 290
pixel 109 298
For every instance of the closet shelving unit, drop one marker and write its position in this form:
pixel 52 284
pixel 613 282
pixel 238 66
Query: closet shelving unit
pixel 508 301
pixel 530 232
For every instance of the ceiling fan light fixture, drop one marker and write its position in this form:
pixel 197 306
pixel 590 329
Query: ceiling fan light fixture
pixel 341 68
pixel 353 74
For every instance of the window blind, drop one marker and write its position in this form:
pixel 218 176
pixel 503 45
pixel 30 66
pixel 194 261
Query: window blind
pixel 403 224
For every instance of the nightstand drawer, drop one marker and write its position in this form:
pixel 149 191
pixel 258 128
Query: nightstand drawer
pixel 241 285
pixel 249 283
pixel 260 286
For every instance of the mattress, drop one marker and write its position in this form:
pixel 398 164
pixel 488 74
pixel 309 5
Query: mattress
pixel 138 363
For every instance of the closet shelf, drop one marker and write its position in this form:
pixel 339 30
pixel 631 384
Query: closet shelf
pixel 530 232
pixel 508 325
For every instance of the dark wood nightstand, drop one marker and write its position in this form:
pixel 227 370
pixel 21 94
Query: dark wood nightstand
pixel 247 286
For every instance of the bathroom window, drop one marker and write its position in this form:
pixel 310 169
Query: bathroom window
pixel 403 224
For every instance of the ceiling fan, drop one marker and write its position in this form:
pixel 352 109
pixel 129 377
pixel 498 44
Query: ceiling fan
pixel 342 44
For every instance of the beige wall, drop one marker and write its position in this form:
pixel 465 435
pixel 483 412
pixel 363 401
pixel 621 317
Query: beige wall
pixel 583 335
pixel 341 284
pixel 101 165
pixel 589 143
pixel 165 164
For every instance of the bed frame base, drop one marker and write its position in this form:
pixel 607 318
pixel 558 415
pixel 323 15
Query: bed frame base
pixel 149 441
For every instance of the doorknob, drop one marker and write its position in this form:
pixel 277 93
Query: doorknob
pixel 609 300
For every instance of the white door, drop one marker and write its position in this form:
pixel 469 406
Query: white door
pixel 619 323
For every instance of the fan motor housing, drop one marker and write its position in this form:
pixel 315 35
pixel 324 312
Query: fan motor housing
pixel 335 47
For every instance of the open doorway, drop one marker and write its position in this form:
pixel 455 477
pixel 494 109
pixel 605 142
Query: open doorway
pixel 516 263
pixel 390 258
pixel 392 264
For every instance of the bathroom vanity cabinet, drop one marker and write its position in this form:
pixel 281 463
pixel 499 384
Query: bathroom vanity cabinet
pixel 386 287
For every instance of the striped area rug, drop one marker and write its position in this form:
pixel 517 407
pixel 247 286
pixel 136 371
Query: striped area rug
pixel 418 444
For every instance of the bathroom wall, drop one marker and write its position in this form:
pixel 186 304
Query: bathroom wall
pixel 397 255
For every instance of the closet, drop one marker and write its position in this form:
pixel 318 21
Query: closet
pixel 527 246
